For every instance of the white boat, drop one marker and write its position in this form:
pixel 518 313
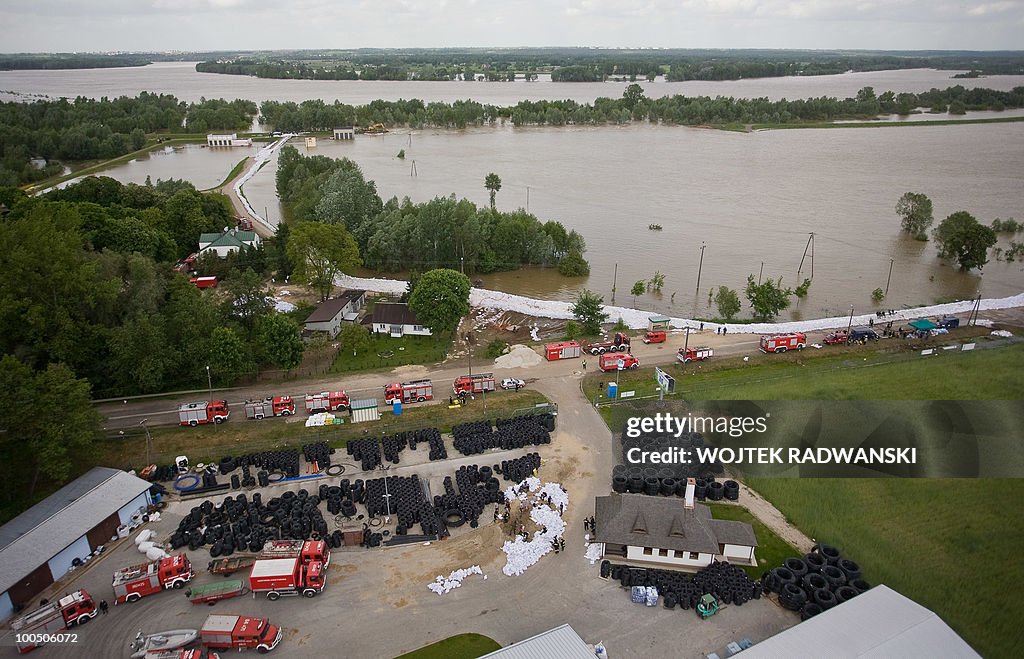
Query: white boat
pixel 168 640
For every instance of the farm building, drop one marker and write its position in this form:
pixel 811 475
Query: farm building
pixel 40 545
pixel 228 241
pixel 345 133
pixel 396 319
pixel 670 532
pixel 562 642
pixel 332 312
pixel 877 623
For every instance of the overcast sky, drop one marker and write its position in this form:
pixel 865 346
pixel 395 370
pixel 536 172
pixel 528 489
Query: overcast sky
pixel 104 25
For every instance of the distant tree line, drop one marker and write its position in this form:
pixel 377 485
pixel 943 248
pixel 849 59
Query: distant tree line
pixel 29 61
pixel 633 106
pixel 592 64
pixel 59 131
pixel 399 235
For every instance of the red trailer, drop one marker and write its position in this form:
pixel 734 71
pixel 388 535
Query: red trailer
pixel 204 411
pixel 473 384
pixel 327 401
pixel 203 282
pixel 239 632
pixel 408 392
pixel 272 406
pixel 135 582
pixel 562 350
pixel 32 629
pixel 783 342
pixel 610 361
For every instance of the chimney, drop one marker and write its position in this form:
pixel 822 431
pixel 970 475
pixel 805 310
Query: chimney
pixel 691 484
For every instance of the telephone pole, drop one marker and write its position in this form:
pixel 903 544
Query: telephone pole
pixel 887 279
pixel 700 265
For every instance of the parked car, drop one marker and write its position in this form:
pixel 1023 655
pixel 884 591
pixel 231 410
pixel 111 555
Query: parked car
pixel 512 383
pixel 860 334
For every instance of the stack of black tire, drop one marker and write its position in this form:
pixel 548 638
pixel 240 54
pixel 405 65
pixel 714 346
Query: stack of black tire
pixel 519 469
pixel 667 479
pixel 164 473
pixel 393 446
pixel 366 451
pixel 727 582
pixel 512 433
pixel 816 581
pixel 653 481
pixel 318 452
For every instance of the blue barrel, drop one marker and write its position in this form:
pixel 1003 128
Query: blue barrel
pixel 613 390
pixel 397 408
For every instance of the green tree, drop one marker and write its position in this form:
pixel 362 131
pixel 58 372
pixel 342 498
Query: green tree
pixel 440 299
pixel 354 337
pixel 320 252
pixel 960 236
pixel 573 265
pixel 878 295
pixel 230 356
pixel 589 311
pixel 142 358
pixel 280 341
pixel 656 282
pixel 638 289
pixel 493 184
pixel 915 211
pixel 801 290
pixel 248 299
pixel 572 329
pixel 767 299
pixel 632 95
pixel 728 302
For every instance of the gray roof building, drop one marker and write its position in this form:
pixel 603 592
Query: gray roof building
pixel 879 623
pixel 664 522
pixel 61 520
pixel 559 643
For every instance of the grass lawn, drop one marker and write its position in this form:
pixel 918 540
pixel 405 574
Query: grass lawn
pixel 854 373
pixel 386 352
pixel 241 435
pixel 771 549
pixel 951 545
pixel 462 646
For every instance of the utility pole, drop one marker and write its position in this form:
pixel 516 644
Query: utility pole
pixel 209 382
pixel 810 244
pixel 759 273
pixel 615 278
pixel 887 279
pixel 527 199
pixel 149 438
pixel 849 325
pixel 686 341
pixel 469 336
pixel 700 265
pixel 462 264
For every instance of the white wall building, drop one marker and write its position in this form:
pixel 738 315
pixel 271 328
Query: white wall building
pixel 228 139
pixel 345 133
pixel 329 316
pixel 396 319
pixel 228 241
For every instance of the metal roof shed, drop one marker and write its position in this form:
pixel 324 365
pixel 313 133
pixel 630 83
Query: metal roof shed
pixel 365 410
pixel 880 623
pixel 559 643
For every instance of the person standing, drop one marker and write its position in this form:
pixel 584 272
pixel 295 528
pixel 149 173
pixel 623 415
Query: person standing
pixel 584 364
pixel 103 607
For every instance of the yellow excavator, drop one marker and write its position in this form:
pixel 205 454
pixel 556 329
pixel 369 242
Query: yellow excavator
pixel 375 129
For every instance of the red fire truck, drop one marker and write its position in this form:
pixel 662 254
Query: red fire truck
pixel 204 411
pixel 32 629
pixel 133 583
pixel 783 342
pixel 327 401
pixel 655 336
pixel 408 392
pixel 271 406
pixel 239 632
pixel 698 353
pixel 290 567
pixel 610 361
pixel 473 384
pixel 308 550
pixel 619 343
pixel 562 350
pixel 182 653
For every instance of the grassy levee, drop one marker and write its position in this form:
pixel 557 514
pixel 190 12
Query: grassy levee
pixel 951 545
pixel 462 646
pixel 240 435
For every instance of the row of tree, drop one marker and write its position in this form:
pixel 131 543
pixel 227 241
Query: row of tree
pixel 304 70
pixel 960 236
pixel 52 132
pixel 442 233
pixel 633 106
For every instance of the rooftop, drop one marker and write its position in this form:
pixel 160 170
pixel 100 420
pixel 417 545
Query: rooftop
pixel 394 313
pixel 559 643
pixel 330 308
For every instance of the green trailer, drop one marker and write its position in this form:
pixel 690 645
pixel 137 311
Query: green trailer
pixel 211 593
pixel 707 606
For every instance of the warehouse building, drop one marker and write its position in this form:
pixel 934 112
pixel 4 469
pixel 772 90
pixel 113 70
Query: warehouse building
pixel 559 643
pixel 40 545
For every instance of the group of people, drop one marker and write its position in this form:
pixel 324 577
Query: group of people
pixel 589 523
pixel 462 396
pixel 722 330
pixel 558 544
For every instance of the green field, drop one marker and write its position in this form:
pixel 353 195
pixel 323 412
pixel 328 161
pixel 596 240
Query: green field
pixel 855 373
pixel 951 545
pixel 771 549
pixel 463 646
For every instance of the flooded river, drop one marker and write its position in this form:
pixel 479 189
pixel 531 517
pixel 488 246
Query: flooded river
pixel 749 198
